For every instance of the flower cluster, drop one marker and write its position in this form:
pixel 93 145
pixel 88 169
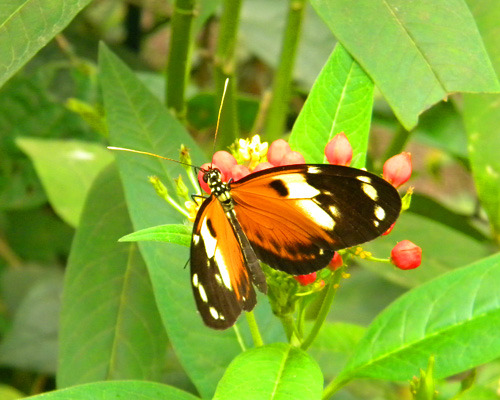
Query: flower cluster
pixel 252 156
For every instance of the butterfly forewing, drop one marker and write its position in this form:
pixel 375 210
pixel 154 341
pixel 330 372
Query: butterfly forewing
pixel 296 216
pixel 219 277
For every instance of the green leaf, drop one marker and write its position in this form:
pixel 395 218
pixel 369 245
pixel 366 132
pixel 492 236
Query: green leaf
pixel 110 327
pixel 9 393
pixel 409 49
pixel 276 371
pixel 31 343
pixel 78 163
pixel 454 317
pixel 482 118
pixel 179 234
pixel 340 101
pixel 139 121
pixel 28 25
pixel 334 344
pixel 136 390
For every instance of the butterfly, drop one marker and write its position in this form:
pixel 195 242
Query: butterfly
pixel 293 218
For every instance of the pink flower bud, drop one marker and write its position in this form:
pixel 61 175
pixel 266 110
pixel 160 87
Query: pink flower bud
pixel 239 171
pixel 262 165
pixel 406 255
pixel 338 151
pixel 277 151
pixel 397 169
pixel 224 161
pixel 292 158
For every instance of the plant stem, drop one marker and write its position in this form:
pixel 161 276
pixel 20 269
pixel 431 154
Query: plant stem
pixel 179 56
pixel 224 69
pixel 332 387
pixel 254 329
pixel 278 108
pixel 331 290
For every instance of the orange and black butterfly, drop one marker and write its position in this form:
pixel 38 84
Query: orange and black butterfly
pixel 292 217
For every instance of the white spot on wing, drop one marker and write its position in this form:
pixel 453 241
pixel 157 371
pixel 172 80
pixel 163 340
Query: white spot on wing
pixel 363 178
pixel 214 313
pixel 317 214
pixel 195 280
pixel 218 278
pixel 334 210
pixel 196 239
pixel 208 239
pixel 203 294
pixel 224 273
pixel 376 223
pixel 370 191
pixel 297 186
pixel 313 170
pixel 379 213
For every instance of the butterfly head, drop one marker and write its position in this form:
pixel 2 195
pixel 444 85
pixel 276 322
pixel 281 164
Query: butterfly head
pixel 213 177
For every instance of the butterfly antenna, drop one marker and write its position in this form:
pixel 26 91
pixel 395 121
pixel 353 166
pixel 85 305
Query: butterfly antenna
pixel 149 154
pixel 220 112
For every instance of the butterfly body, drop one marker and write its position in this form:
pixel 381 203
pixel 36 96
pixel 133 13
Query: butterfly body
pixel 293 218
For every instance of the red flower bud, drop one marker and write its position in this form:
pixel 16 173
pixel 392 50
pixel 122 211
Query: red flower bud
pixel 397 169
pixel 263 165
pixel 336 262
pixel 224 161
pixel 338 151
pixel 406 255
pixel 239 171
pixel 292 158
pixel 305 280
pixel 277 151
pixel 205 167
pixel 389 230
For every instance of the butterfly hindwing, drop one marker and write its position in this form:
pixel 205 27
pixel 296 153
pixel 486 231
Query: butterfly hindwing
pixel 296 216
pixel 219 277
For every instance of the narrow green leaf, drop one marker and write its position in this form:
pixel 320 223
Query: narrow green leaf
pixel 409 49
pixel 454 317
pixel 78 163
pixel 137 390
pixel 110 327
pixel 482 118
pixel 28 25
pixel 276 371
pixel 179 234
pixel 139 121
pixel 341 100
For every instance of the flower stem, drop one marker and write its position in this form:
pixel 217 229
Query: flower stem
pixel 331 290
pixel 278 108
pixel 224 69
pixel 179 56
pixel 254 329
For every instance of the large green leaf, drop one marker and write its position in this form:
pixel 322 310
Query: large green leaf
pixel 409 49
pixel 136 390
pixel 139 121
pixel 340 101
pixel 277 371
pixel 110 327
pixel 78 163
pixel 28 25
pixel 454 317
pixel 482 119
